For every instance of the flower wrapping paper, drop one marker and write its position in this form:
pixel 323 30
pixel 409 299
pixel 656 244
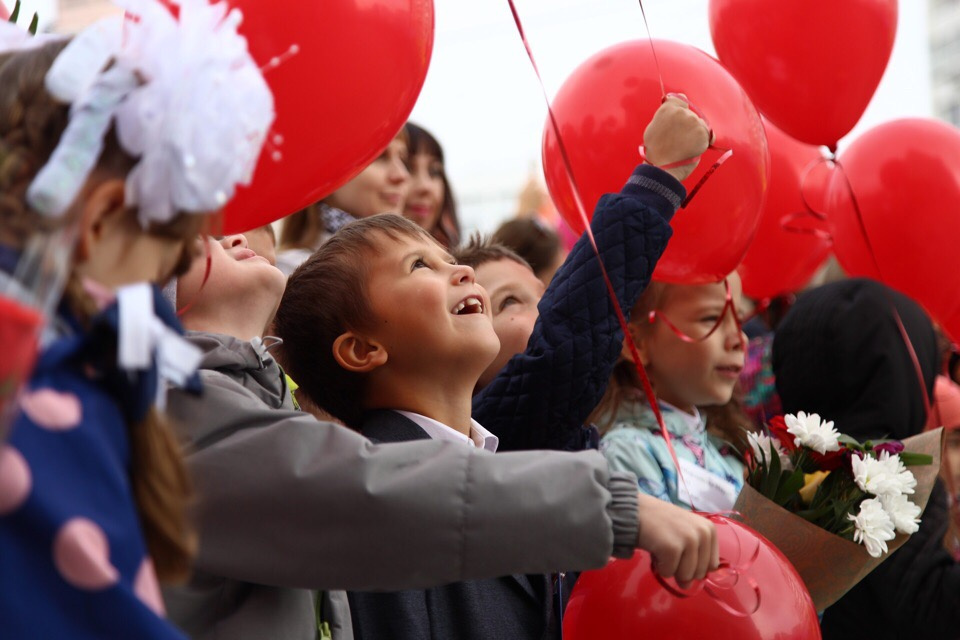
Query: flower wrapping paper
pixel 830 565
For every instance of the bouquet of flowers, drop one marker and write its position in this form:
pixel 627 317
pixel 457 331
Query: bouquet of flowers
pixel 809 486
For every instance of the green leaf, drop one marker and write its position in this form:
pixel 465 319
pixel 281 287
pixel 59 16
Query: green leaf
pixel 15 14
pixel 773 474
pixel 911 459
pixel 34 23
pixel 790 484
pixel 845 439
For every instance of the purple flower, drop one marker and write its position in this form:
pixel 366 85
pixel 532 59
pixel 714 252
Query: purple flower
pixel 893 448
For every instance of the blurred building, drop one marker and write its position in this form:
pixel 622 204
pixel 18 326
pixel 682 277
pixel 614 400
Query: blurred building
pixel 944 25
pixel 74 15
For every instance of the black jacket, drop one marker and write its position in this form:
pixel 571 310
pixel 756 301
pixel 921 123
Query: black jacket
pixel 840 353
pixel 516 607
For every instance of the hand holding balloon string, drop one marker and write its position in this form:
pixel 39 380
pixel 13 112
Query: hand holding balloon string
pixel 676 137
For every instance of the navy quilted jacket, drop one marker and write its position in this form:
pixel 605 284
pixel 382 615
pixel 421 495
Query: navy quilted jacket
pixel 542 398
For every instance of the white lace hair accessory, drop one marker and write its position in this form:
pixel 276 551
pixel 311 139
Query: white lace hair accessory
pixel 186 98
pixel 13 38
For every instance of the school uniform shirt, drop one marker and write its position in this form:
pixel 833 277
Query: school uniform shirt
pixel 713 474
pixel 479 437
pixel 518 607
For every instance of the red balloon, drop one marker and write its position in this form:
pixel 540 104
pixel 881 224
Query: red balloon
pixel 810 66
pixel 905 175
pixel 603 109
pixel 4 13
pixel 340 99
pixel 781 261
pixel 764 598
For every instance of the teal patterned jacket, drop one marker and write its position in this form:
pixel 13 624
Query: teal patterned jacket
pixel 635 444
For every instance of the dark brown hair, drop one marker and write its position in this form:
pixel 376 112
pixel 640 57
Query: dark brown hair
pixel 482 249
pixel 31 124
pixel 447 229
pixel 537 243
pixel 326 297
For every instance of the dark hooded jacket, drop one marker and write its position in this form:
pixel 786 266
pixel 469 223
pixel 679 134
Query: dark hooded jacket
pixel 840 353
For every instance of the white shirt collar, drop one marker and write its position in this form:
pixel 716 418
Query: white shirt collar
pixel 479 437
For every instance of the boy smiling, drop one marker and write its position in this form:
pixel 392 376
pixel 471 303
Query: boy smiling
pixel 386 332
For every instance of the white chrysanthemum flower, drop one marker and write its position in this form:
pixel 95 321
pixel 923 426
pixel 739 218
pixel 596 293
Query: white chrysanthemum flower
pixel 809 431
pixel 905 514
pixel 883 476
pixel 874 527
pixel 760 442
pixel 901 480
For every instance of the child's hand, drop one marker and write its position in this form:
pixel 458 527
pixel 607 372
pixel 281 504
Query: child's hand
pixel 675 134
pixel 683 544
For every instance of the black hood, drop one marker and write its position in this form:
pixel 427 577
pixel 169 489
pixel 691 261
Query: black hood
pixel 840 353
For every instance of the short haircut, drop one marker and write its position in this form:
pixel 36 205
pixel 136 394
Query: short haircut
pixel 326 297
pixel 537 243
pixel 481 249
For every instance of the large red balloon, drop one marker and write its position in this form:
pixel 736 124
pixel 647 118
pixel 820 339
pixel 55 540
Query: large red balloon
pixel 905 176
pixel 340 99
pixel 603 109
pixel 781 261
pixel 765 598
pixel 810 66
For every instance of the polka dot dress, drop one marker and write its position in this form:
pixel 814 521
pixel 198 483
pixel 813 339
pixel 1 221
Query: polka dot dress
pixel 73 562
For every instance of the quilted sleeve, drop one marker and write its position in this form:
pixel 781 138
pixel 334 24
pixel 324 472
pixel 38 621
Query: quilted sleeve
pixel 542 397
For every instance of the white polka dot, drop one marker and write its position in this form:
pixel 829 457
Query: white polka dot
pixel 147 588
pixel 81 554
pixel 15 480
pixel 51 409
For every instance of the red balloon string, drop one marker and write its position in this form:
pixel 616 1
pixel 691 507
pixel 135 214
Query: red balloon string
pixel 206 276
pixel 727 577
pixel 728 305
pixel 614 300
pixel 789 221
pixel 653 50
pixel 876 264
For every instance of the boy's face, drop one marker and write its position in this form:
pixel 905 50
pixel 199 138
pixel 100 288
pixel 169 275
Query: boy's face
pixel 238 276
pixel 702 373
pixel 428 312
pixel 514 294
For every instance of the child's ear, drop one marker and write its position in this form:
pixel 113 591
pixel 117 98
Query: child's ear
pixel 98 215
pixel 356 353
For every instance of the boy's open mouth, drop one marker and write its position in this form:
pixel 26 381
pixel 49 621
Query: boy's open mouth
pixel 469 305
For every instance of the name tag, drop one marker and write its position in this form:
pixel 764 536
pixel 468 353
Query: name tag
pixel 707 491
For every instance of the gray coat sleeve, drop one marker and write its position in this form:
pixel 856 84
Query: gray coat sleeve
pixel 287 500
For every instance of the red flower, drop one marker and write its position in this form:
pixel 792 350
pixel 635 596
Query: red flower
pixel 830 460
pixel 778 429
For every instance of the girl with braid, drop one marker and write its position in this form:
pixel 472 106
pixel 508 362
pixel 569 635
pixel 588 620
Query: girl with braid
pixel 92 488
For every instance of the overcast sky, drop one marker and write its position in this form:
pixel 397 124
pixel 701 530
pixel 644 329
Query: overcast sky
pixel 482 101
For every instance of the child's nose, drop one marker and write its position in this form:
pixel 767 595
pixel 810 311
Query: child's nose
pixel 236 240
pixel 462 274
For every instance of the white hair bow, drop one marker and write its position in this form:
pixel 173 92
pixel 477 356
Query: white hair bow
pixel 184 96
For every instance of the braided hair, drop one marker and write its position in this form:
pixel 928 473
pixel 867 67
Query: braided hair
pixel 31 124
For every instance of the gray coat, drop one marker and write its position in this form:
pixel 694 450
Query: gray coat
pixel 289 504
